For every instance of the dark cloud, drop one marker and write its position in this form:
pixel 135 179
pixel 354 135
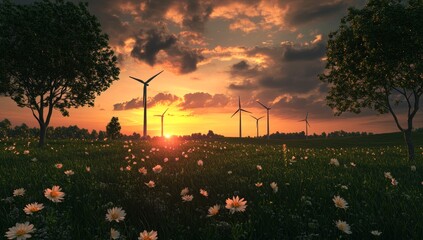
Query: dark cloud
pixel 304 12
pixel 197 15
pixel 244 85
pixel 202 99
pixel 160 98
pixel 149 43
pixel 314 52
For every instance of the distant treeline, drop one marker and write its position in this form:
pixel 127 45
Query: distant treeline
pixel 74 132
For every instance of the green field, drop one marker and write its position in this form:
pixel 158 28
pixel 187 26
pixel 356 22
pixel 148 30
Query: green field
pixel 302 208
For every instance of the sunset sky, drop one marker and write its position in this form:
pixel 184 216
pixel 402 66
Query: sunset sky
pixel 211 53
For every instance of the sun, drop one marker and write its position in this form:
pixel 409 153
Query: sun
pixel 167 136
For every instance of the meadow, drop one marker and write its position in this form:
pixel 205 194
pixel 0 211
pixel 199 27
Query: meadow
pixel 308 175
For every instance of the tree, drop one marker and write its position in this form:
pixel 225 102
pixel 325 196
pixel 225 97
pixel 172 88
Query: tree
pixel 53 56
pixel 5 127
pixel 113 128
pixel 374 61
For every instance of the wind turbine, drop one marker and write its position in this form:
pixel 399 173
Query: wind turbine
pixel 144 99
pixel 267 109
pixel 162 116
pixel 240 110
pixel 257 125
pixel 306 123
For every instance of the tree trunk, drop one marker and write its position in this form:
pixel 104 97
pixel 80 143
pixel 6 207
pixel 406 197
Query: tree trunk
pixel 43 129
pixel 409 142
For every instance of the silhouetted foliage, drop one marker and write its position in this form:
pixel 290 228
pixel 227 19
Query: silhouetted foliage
pixel 113 128
pixel 374 61
pixel 53 56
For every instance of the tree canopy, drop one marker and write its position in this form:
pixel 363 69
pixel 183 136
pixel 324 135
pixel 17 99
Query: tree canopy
pixel 113 128
pixel 54 56
pixel 374 60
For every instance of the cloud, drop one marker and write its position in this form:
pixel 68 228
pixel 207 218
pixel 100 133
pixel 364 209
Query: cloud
pixel 158 99
pixel 243 24
pixel 203 100
pixel 175 54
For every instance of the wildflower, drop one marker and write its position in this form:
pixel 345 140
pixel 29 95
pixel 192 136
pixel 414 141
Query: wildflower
pixel 20 231
pixel 340 202
pixel 69 173
pixel 353 164
pixel 236 205
pixel 114 234
pixel 54 194
pixel 229 172
pixel 184 191
pixel 387 175
pixel 413 168
pixel 165 159
pixel 274 186
pixel 375 233
pixel 33 207
pixel 343 226
pixel 344 187
pixel 334 161
pixel 128 168
pixel 150 184
pixel 26 152
pixel 187 198
pixel 213 211
pixel 19 192
pixel 152 235
pixel 259 184
pixel 142 170
pixel 259 167
pixel 394 182
pixel 157 169
pixel 176 159
pixel 115 214
pixel 200 163
pixel 204 193
pixel 88 168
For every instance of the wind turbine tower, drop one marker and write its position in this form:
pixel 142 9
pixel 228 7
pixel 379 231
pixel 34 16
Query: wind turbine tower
pixel 268 121
pixel 307 125
pixel 162 116
pixel 257 125
pixel 240 110
pixel 144 99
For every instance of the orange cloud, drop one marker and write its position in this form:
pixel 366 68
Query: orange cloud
pixel 243 24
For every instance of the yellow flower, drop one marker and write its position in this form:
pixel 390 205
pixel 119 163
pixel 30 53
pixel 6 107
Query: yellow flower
pixel 236 205
pixel 340 202
pixel 33 207
pixel 343 226
pixel 213 211
pixel 115 214
pixel 54 194
pixel 152 235
pixel 19 192
pixel 20 231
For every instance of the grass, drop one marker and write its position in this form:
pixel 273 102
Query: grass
pixel 302 208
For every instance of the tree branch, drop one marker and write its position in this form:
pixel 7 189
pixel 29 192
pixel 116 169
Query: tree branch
pixel 392 111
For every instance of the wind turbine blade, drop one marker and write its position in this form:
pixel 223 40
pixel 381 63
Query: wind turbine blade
pixel 235 113
pixel 253 117
pixel 149 80
pixel 260 118
pixel 157 115
pixel 307 115
pixel 302 120
pixel 263 105
pixel 308 124
pixel 245 110
pixel 239 102
pixel 139 80
pixel 165 112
